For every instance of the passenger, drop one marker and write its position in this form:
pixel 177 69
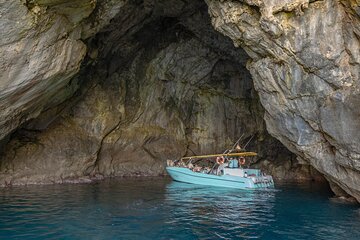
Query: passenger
pixel 242 161
pixel 233 163
pixel 197 169
pixel 230 163
pixel 220 169
pixel 170 163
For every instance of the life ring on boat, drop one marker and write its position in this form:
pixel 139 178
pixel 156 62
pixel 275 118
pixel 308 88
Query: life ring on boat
pixel 220 160
pixel 242 160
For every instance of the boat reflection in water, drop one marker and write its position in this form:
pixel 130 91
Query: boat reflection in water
pixel 220 212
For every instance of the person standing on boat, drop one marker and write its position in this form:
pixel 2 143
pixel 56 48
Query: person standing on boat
pixel 233 163
pixel 221 162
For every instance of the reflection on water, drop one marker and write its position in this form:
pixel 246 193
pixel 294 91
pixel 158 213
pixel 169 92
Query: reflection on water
pixel 161 209
pixel 218 212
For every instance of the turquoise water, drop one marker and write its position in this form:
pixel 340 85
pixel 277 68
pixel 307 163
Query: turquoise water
pixel 162 209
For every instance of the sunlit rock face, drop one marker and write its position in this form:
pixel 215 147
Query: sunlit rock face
pixel 305 66
pixel 41 49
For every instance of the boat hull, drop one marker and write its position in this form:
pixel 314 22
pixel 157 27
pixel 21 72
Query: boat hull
pixel 182 174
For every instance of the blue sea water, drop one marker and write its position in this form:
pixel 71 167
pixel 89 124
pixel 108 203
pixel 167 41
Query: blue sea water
pixel 157 208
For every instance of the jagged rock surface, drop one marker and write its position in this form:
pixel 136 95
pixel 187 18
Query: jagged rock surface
pixel 158 83
pixel 41 49
pixel 305 66
pixel 164 105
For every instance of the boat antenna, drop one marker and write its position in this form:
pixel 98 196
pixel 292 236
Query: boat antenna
pixel 248 141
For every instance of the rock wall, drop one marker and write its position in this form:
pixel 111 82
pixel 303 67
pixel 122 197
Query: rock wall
pixel 305 66
pixel 163 106
pixel 113 88
pixel 41 49
pixel 158 82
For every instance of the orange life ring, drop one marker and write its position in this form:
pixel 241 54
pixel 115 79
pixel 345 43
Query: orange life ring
pixel 220 160
pixel 242 160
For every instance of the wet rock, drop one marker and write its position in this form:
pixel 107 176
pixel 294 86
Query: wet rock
pixel 344 200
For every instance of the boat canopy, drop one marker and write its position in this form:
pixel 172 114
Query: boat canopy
pixel 241 154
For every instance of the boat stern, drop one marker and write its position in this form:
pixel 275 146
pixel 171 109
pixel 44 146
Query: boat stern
pixel 265 181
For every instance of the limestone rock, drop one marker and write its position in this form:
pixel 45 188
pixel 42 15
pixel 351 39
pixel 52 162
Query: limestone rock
pixel 130 123
pixel 40 52
pixel 114 88
pixel 152 95
pixel 306 69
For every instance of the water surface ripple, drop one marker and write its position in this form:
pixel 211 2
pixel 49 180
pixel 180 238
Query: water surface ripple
pixel 161 209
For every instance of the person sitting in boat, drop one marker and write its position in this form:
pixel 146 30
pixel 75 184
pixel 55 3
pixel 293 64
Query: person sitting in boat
pixel 233 163
pixel 197 169
pixel 190 166
pixel 242 161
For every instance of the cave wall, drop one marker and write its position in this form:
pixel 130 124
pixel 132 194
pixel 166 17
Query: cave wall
pixel 305 67
pixel 170 100
pixel 41 50
pixel 157 82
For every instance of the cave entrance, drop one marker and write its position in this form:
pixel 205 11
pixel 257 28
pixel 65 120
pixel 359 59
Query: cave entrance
pixel 158 83
pixel 182 89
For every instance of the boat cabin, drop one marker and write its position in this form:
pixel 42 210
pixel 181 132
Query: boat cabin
pixel 242 172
